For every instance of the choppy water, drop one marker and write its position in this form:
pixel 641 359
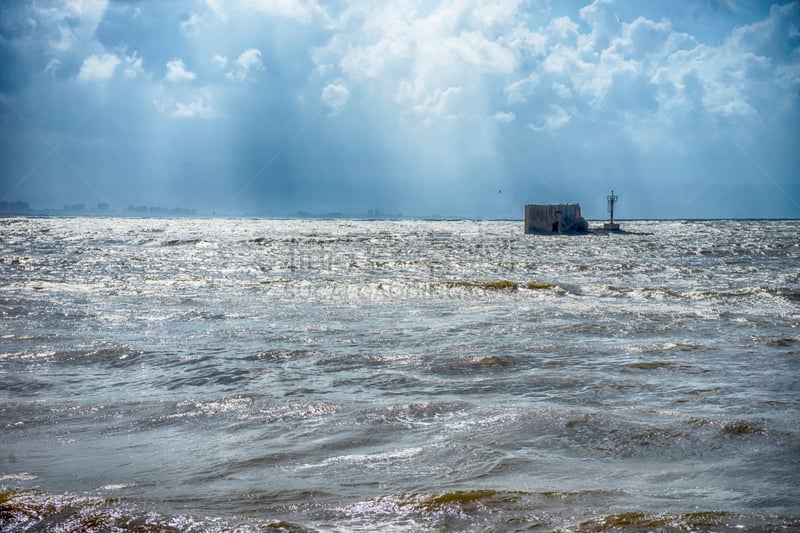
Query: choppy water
pixel 405 375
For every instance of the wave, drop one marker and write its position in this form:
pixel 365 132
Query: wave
pixel 21 476
pixel 790 294
pixel 654 365
pixel 698 521
pixel 418 414
pixel 257 240
pixel 30 510
pixel 595 436
pixel 674 346
pixel 471 500
pixel 784 342
pixel 787 293
pixel 452 366
pixel 184 242
pixel 499 285
pixel 281 355
pixel 243 408
pixel 495 510
pixel 742 427
pixel 472 509
pixel 457 502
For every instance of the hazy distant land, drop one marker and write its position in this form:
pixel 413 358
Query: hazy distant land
pixel 102 209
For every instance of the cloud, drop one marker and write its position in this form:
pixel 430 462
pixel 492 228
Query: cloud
pixel 643 38
pixel 442 103
pixel 728 81
pixel 301 10
pixel 418 57
pixel 248 62
pixel 335 96
pixel 504 117
pixel 220 60
pixel 604 21
pixel 475 50
pixel 562 30
pixel 52 66
pixel 133 66
pixel 555 118
pixel 198 107
pixel 176 72
pixel 281 8
pixel 88 10
pixel 65 25
pixel 98 67
pixel 518 91
pixel 190 26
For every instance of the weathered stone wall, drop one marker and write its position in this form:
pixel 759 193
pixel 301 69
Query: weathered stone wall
pixel 556 218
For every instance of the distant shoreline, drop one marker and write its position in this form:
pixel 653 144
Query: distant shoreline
pixel 353 217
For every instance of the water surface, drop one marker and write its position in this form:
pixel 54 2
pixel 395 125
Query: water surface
pixel 206 374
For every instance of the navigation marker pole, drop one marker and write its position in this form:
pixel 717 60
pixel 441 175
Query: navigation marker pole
pixel 611 199
pixel 610 225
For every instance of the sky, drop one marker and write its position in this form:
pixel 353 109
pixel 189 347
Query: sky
pixel 455 108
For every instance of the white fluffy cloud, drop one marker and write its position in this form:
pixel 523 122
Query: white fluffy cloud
pixel 133 66
pixel 604 22
pixel 220 60
pixel 335 96
pixel 442 103
pixel 196 108
pixel 248 62
pixel 448 60
pixel 176 72
pixel 98 67
pixel 555 117
pixel 505 118
pixel 66 24
pixel 422 59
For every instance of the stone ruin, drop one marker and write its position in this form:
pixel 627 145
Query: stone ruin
pixel 556 218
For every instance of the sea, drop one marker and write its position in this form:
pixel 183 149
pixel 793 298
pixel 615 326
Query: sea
pixel 209 374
